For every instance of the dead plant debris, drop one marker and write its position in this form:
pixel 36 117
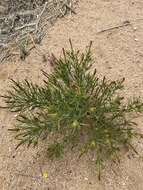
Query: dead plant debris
pixel 21 19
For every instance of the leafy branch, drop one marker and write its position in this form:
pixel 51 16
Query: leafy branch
pixel 71 102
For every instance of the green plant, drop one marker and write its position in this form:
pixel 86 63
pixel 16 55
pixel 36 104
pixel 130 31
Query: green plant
pixel 74 101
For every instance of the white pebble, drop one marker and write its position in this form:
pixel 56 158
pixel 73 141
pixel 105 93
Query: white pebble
pixel 136 39
pixel 86 178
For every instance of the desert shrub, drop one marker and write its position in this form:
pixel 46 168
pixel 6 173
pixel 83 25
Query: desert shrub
pixel 73 102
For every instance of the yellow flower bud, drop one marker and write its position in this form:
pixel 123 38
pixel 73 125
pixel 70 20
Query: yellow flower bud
pixel 92 109
pixel 93 143
pixel 45 174
pixel 75 124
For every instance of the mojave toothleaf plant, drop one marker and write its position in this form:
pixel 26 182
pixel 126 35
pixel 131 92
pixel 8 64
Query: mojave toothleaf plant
pixel 74 101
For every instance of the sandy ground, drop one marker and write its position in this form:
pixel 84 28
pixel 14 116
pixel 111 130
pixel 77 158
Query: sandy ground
pixel 117 53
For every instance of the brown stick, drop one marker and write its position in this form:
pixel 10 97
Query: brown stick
pixel 40 15
pixel 126 23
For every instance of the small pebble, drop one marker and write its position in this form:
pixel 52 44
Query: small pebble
pixel 70 171
pixel 86 179
pixel 136 39
pixel 135 28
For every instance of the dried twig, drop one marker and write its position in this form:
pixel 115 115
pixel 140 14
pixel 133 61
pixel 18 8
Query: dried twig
pixel 34 44
pixel 26 175
pixel 126 23
pixel 40 15
pixel 21 13
pixel 29 17
pixel 70 8
pixel 24 26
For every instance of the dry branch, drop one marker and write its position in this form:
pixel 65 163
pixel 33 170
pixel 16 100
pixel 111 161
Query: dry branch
pixel 29 17
pixel 126 23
